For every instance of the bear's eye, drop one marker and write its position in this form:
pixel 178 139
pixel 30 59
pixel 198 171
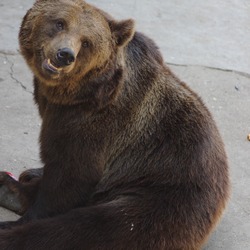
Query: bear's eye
pixel 59 25
pixel 85 44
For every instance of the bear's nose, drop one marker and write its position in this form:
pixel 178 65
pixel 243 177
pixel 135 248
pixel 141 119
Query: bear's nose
pixel 65 56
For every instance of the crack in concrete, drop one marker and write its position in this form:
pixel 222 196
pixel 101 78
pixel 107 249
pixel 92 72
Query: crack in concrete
pixel 6 53
pixel 9 53
pixel 16 80
pixel 244 74
pixel 12 75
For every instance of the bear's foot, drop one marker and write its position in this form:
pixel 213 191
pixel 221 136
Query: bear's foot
pixel 30 174
pixel 9 193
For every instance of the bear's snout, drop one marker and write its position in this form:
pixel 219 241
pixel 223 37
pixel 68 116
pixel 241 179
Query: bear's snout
pixel 65 56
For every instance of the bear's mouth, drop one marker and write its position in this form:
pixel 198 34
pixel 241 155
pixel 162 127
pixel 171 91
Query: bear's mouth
pixel 51 67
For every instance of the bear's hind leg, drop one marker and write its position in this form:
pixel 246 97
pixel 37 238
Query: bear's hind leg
pixel 122 224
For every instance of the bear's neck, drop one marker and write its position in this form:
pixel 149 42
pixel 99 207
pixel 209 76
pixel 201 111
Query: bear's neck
pixel 92 93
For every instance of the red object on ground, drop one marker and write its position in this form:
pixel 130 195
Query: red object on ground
pixel 11 175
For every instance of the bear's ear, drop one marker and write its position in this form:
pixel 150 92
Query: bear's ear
pixel 122 31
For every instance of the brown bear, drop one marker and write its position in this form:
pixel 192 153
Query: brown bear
pixel 132 157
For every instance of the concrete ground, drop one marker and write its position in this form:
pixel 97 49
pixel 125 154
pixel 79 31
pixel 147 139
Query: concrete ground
pixel 205 42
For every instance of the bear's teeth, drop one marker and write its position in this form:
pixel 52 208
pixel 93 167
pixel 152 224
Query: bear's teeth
pixel 51 65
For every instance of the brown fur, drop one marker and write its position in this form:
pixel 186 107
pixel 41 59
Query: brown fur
pixel 132 157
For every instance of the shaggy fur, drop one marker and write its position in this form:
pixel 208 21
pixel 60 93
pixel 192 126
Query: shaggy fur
pixel 132 157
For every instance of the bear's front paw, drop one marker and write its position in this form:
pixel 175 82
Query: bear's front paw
pixel 9 192
pixel 30 174
pixel 3 177
pixel 6 177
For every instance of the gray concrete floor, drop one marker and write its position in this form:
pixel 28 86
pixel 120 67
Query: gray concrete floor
pixel 205 42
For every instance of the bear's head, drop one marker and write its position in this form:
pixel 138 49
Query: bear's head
pixel 64 40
